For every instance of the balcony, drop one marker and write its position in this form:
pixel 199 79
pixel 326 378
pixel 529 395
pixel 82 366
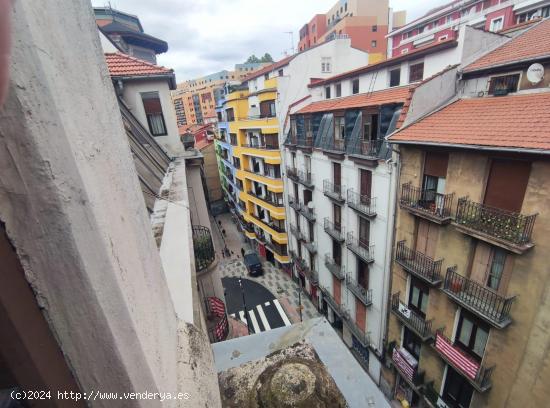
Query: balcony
pixel 262 146
pixel 368 149
pixel 427 204
pixel 308 213
pixel 305 142
pixel 334 268
pixel 216 319
pixel 337 146
pixel 294 230
pixel 327 296
pixel 305 270
pixel 418 264
pixel 203 248
pixel 293 203
pixel 292 173
pixel 364 295
pixel 266 199
pixel 470 368
pixel 362 203
pixel 357 332
pixel 304 178
pixel 508 230
pixel 336 231
pixel 489 305
pixel 334 191
pixel 310 245
pixel 407 366
pixel 411 319
pixel 360 248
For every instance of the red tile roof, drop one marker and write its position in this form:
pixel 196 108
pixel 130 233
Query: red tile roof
pixel 392 95
pixel 518 121
pixel 428 49
pixel 531 44
pixel 122 65
pixel 269 68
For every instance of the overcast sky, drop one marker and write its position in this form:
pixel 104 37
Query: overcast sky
pixel 205 36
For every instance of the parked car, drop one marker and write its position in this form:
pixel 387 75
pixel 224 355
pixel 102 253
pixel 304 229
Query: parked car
pixel 253 264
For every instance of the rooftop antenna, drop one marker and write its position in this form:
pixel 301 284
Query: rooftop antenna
pixel 291 40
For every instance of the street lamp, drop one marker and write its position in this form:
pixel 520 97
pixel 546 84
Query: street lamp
pixel 244 305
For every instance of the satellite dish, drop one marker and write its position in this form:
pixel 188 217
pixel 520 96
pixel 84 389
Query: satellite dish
pixel 535 73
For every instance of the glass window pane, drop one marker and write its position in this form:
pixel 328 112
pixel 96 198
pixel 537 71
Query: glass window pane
pixel 415 297
pixel 424 305
pixel 480 341
pixel 465 331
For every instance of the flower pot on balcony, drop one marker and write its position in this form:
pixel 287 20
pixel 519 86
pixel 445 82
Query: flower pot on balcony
pixel 456 286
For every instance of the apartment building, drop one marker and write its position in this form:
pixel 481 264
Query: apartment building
pixel 470 279
pixel 126 32
pixel 340 184
pixel 251 118
pixel 366 22
pixel 443 23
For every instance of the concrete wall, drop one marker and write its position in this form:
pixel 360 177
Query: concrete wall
pixel 73 209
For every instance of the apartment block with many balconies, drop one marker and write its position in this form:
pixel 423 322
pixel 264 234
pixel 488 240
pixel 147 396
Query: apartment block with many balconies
pixel 470 278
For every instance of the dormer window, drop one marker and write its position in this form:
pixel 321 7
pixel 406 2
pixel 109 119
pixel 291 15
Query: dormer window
pixel 503 85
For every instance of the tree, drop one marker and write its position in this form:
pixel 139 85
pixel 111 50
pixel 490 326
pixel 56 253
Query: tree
pixel 252 59
pixel 267 58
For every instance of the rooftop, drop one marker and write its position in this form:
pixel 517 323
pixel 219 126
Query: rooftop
pixel 418 52
pixel 504 122
pixel 532 44
pixel 391 95
pixel 269 68
pixel 122 65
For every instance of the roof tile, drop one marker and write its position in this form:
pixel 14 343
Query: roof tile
pixel 518 121
pixel 124 65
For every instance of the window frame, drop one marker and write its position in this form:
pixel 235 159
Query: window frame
pixel 353 83
pixel 477 324
pixel 149 96
pixel 413 65
pixel 390 71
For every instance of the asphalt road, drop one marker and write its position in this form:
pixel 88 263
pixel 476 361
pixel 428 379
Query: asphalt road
pixel 264 310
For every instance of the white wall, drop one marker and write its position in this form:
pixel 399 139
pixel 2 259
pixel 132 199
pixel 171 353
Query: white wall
pixel 131 95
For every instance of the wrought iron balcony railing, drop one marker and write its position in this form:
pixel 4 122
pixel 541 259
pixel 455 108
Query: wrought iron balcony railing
pixel 310 273
pixel 362 336
pixel 362 203
pixel 334 268
pixel 479 299
pixel 407 366
pixel 262 146
pixel 411 319
pixel 427 203
pixel 294 230
pixel 419 264
pixel 369 149
pixel 304 178
pixel 217 323
pixel 336 231
pixel 334 191
pixel 329 298
pixel 293 202
pixel 504 228
pixel 334 145
pixel 292 173
pixel 360 248
pixel 307 212
pixel 469 367
pixel 306 142
pixel 364 295
pixel 203 248
pixel 265 198
pixel 310 245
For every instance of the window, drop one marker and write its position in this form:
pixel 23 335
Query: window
pixel 457 391
pixel 418 297
pixel 280 72
pixel 503 85
pixel 471 335
pixel 327 92
pixel 545 12
pixel 230 114
pixel 338 88
pixel 374 28
pixel 326 64
pixel 395 77
pixel 339 128
pixel 412 343
pixel 355 86
pixel 267 109
pixel 153 112
pixel 421 29
pixel 364 232
pixel 373 43
pixel 496 268
pixel 362 274
pixel 443 37
pixel 233 139
pixel 404 51
pixel 337 217
pixel 416 72
pixel 497 24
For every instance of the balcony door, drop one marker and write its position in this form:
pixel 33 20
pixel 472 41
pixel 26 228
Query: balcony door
pixel 336 252
pixel 337 177
pixel 506 184
pixel 337 217
pixel 433 183
pixel 365 177
pixel 362 274
pixel 457 392
pixel 472 335
pixel 307 165
pixel 360 315
pixel 491 267
pixel 364 232
pixel 426 238
pixel 418 297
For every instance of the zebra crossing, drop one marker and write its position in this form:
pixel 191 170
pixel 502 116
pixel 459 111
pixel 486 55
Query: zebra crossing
pixel 264 317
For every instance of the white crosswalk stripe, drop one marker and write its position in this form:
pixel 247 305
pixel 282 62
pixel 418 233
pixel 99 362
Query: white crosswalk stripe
pixel 242 317
pixel 254 321
pixel 281 312
pixel 263 318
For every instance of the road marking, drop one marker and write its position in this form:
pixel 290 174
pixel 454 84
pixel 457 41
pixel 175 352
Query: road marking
pixel 281 312
pixel 266 304
pixel 254 321
pixel 241 316
pixel 263 318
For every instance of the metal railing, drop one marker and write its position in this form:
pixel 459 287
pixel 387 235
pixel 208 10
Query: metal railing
pixel 203 247
pixel 216 312
pixel 334 268
pixel 360 247
pixel 358 332
pixel 427 201
pixel 478 298
pixel 508 226
pixel 305 142
pixel 310 273
pixel 294 230
pixel 411 319
pixel 304 178
pixel 307 212
pixel 292 173
pixel 266 199
pixel 411 373
pixel 364 295
pixel 419 264
pixel 265 146
pixel 334 191
pixel 293 202
pixel 336 231
pixel 370 148
pixel 362 203
pixel 329 298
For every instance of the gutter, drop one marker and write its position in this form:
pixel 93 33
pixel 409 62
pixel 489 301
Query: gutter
pixel 509 64
pixel 170 77
pixel 523 150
